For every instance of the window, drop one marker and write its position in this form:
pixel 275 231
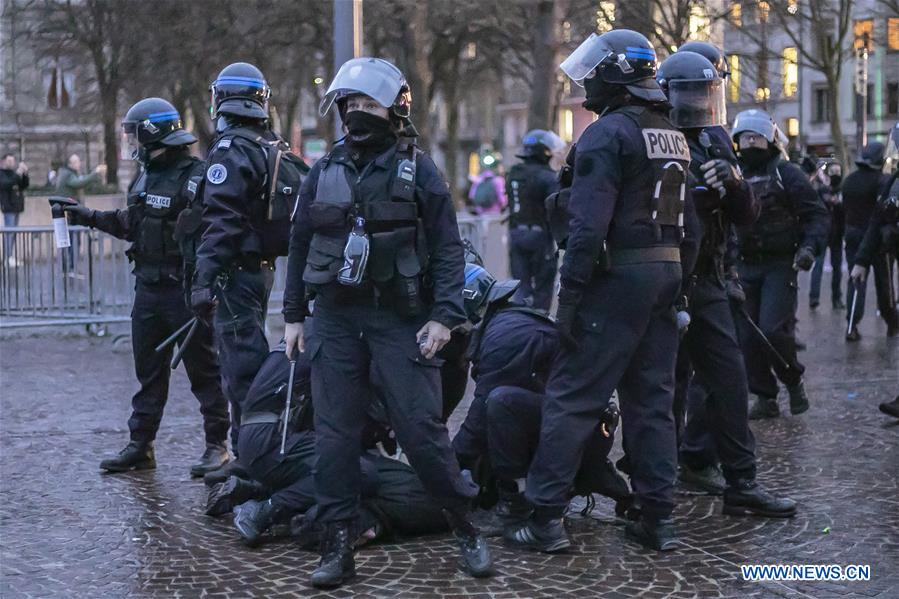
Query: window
pixel 471 50
pixel 892 99
pixel 59 85
pixel 762 94
pixel 790 70
pixel 893 33
pixel 869 103
pixel 792 127
pixel 733 82
pixel 699 23
pixel 736 14
pixel 864 33
pixel 566 125
pixel 605 16
pixel 821 105
pixel 764 9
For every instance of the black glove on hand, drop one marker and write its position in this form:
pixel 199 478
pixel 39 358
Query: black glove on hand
pixel 804 259
pixel 80 215
pixel 719 173
pixel 202 303
pixel 566 313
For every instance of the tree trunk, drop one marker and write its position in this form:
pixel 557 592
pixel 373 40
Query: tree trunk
pixel 109 108
pixel 418 70
pixel 544 78
pixel 836 128
pixel 451 95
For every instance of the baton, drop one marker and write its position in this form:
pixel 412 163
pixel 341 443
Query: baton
pixel 852 309
pixel 763 338
pixel 293 366
pixel 171 339
pixel 176 359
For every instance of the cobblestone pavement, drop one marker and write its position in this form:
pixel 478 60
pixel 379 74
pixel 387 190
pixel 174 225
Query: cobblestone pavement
pixel 68 531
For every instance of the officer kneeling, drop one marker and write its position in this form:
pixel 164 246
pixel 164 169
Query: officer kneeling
pixel 375 242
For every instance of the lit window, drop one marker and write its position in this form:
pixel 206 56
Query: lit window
pixel 792 6
pixel 733 82
pixel 864 33
pixel 793 127
pixel 699 22
pixel 736 14
pixel 566 31
pixel 474 164
pixel 762 94
pixel 471 50
pixel 605 16
pixel 790 70
pixel 566 125
pixel 893 33
pixel 764 9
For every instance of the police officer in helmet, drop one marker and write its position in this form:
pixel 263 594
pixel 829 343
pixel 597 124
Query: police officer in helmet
pixel 710 52
pixel 376 244
pixel 631 217
pixel 162 222
pixel 791 229
pixel 532 257
pixel 234 265
pixel 717 425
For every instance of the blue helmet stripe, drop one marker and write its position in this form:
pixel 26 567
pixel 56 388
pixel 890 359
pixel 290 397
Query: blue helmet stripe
pixel 473 273
pixel 641 53
pixel 157 117
pixel 230 80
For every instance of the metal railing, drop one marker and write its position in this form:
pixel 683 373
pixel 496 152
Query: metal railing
pixel 91 282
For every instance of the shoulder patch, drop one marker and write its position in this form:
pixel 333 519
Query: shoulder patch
pixel 216 174
pixel 666 144
pixel 192 186
pixel 224 144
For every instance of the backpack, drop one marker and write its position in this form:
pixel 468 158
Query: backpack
pixel 485 193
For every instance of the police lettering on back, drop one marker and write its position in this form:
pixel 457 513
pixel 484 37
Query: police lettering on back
pixel 665 143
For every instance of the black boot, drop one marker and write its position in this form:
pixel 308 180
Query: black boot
pixel 798 398
pixel 213 458
pixel 707 480
pixel 544 535
pixel 223 497
pixel 474 552
pixel 135 456
pixel 838 304
pixel 890 408
pixel 653 533
pixel 853 335
pixel 747 498
pixel 254 518
pixel 764 407
pixel 513 510
pixel 232 468
pixel 337 564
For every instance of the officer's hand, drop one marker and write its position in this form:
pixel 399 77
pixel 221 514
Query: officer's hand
pixel 859 274
pixel 432 337
pixel 734 290
pixel 202 303
pixel 566 313
pixel 718 173
pixel 79 214
pixel 293 337
pixel 804 259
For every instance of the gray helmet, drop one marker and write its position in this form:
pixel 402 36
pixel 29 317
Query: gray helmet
pixel 540 143
pixel 373 77
pixel 759 122
pixel 872 155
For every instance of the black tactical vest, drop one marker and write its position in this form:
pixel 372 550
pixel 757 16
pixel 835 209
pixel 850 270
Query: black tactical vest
pixel 526 195
pixel 776 232
pixel 708 202
pixel 160 197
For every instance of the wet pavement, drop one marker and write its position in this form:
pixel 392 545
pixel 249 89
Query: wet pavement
pixel 68 531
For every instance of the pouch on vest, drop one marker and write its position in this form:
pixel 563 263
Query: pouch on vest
pixel 324 260
pixel 395 268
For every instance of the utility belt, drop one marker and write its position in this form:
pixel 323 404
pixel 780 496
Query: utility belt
pixel 629 256
pixel 260 418
pixel 158 273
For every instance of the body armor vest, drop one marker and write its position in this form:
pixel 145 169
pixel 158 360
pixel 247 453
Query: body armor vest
pixel 525 194
pixel 161 197
pixel 776 232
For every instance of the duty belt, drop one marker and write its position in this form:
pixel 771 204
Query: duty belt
pixel 260 418
pixel 623 257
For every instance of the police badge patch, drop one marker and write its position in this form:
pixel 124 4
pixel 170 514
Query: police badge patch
pixel 216 174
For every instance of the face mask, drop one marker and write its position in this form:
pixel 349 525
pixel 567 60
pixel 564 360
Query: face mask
pixel 755 158
pixel 365 129
pixel 835 180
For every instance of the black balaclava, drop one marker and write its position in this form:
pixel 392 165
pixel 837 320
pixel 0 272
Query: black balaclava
pixel 602 97
pixel 755 158
pixel 164 160
pixel 366 130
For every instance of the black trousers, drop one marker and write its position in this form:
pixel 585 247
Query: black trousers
pixel 771 302
pixel 240 335
pixel 532 260
pixel 159 311
pixel 627 340
pixel 352 345
pixel 854 236
pixel 717 406
pixel 288 477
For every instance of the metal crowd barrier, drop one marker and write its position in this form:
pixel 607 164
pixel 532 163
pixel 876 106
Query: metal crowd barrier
pixel 91 282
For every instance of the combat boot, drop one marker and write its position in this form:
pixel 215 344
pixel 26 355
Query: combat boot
pixel 890 408
pixel 254 518
pixel 232 468
pixel 747 498
pixel 337 565
pixel 653 533
pixel 135 456
pixel 213 458
pixel 764 407
pixel 708 479
pixel 474 552
pixel 223 497
pixel 547 536
pixel 798 398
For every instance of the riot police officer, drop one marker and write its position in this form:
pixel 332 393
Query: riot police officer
pixel 631 214
pixel 375 242
pixel 722 199
pixel 234 262
pixel 532 253
pixel 791 229
pixel 162 221
pixel 860 192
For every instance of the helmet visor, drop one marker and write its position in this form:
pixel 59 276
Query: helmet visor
pixel 128 148
pixel 586 57
pixel 697 102
pixel 377 79
pixel 891 154
pixel 754 121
